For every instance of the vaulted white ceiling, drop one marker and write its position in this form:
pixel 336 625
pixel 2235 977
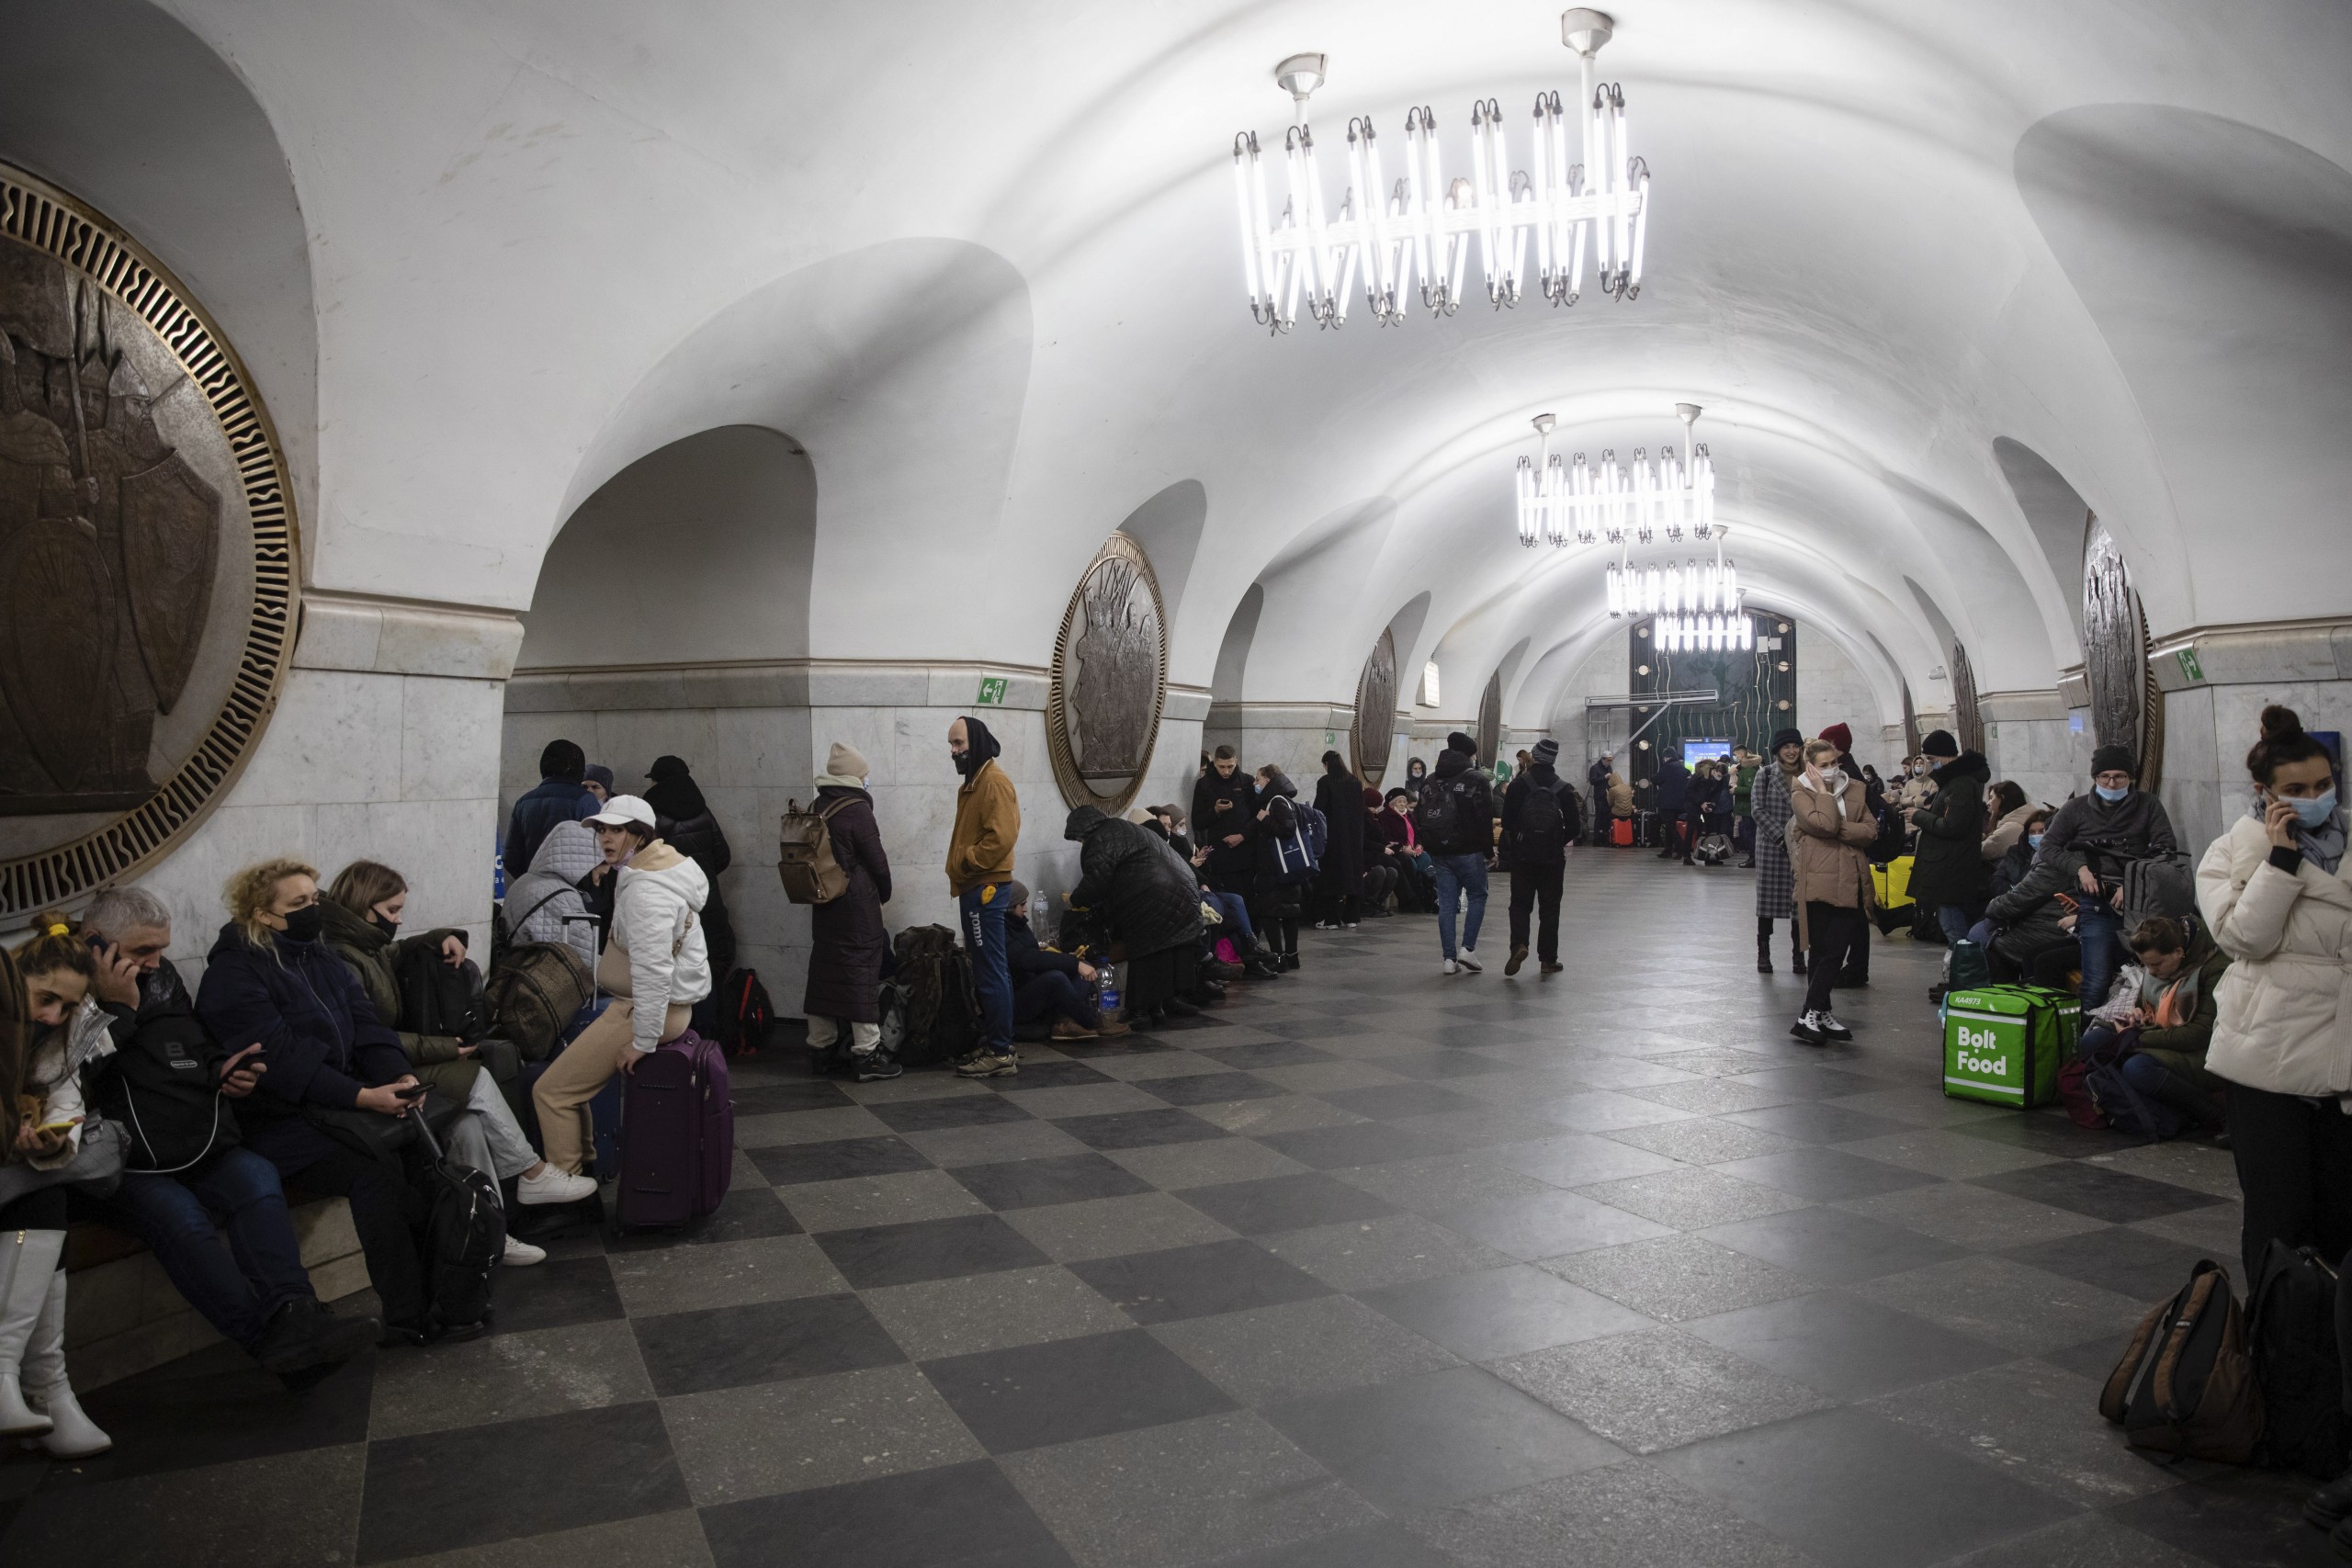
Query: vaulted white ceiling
pixel 979 262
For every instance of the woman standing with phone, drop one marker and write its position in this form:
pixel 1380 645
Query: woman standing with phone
pixel 2273 891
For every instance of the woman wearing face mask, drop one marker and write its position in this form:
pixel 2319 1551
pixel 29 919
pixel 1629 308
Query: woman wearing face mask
pixel 1830 827
pixel 2274 894
pixel 49 1027
pixel 361 923
pixel 2028 925
pixel 270 979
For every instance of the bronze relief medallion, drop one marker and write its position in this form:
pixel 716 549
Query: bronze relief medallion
pixel 147 554
pixel 1110 678
pixel 1375 730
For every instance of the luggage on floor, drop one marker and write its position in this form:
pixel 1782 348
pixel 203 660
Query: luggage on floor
pixel 2291 1334
pixel 745 1013
pixel 1620 831
pixel 2160 885
pixel 1645 830
pixel 677 1134
pixel 535 994
pixel 941 1011
pixel 465 1234
pixel 2005 1043
pixel 804 852
pixel 1892 882
pixel 2186 1385
pixel 1712 849
pixel 1967 967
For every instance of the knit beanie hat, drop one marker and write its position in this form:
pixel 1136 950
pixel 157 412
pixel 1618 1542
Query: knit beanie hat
pixel 846 762
pixel 1786 737
pixel 1837 735
pixel 1547 751
pixel 1939 743
pixel 2113 759
pixel 1457 741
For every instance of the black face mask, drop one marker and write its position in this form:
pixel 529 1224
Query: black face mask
pixel 304 924
pixel 390 928
pixel 963 762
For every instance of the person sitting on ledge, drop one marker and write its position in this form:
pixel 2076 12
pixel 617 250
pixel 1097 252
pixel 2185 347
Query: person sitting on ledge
pixel 1046 981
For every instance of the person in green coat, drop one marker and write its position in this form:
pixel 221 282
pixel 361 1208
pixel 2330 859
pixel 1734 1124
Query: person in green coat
pixel 2178 1007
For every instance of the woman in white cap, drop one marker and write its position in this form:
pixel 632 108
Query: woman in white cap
pixel 847 938
pixel 655 963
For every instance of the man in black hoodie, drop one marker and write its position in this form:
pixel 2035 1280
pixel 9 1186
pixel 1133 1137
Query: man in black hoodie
pixel 1540 814
pixel 1949 872
pixel 1456 818
pixel 1225 823
pixel 1596 779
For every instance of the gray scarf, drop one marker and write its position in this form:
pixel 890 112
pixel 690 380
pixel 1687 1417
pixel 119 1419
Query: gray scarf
pixel 2323 845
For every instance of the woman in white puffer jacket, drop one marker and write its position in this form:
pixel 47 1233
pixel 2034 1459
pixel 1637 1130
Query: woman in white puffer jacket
pixel 2275 893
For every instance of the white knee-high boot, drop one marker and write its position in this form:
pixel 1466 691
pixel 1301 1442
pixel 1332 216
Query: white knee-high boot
pixel 70 1434
pixel 27 1259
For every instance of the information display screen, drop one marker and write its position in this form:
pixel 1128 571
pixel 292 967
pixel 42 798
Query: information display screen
pixel 1694 752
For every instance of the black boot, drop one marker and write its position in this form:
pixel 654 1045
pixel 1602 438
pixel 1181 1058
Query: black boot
pixel 1764 955
pixel 1796 960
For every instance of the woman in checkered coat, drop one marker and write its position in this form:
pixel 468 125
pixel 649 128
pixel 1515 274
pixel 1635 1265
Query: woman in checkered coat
pixel 1775 879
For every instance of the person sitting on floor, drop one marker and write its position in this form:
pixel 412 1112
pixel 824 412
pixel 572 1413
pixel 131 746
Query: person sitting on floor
pixel 2173 1021
pixel 1151 904
pixel 1046 982
pixel 2030 929
pixel 176 1090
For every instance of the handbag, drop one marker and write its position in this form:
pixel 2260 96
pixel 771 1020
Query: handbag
pixel 375 1134
pixel 95 1170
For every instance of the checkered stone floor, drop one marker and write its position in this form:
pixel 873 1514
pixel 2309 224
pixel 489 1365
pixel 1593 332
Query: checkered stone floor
pixel 1372 1268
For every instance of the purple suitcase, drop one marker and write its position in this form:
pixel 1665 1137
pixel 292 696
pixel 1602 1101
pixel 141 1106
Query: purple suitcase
pixel 677 1134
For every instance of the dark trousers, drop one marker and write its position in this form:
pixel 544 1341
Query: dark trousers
pixel 2294 1161
pixel 1052 992
pixel 992 980
pixel 1537 889
pixel 1837 936
pixel 386 1210
pixel 238 1285
pixel 2099 929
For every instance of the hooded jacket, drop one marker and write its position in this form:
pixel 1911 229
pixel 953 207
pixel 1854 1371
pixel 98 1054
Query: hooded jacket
pixel 2283 1023
pixel 2110 834
pixel 1948 866
pixel 319 1035
pixel 548 801
pixel 1516 796
pixel 988 817
pixel 2007 833
pixel 1474 807
pixel 163 1080
pixel 846 934
pixel 657 906
pixel 1673 782
pixel 1341 799
pixel 1151 898
pixel 375 959
pixel 541 906
pixel 2185 1043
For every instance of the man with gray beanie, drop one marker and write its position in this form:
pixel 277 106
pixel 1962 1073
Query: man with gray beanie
pixel 1540 822
pixel 2115 824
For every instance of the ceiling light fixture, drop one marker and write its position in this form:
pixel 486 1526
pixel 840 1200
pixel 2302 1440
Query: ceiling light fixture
pixel 1563 502
pixel 1703 634
pixel 1529 224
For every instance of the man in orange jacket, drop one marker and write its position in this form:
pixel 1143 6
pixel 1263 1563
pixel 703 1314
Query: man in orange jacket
pixel 979 873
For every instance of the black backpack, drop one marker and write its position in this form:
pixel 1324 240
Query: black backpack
pixel 942 1010
pixel 745 1013
pixel 1438 816
pixel 465 1233
pixel 1544 826
pixel 438 997
pixel 2291 1330
pixel 2186 1385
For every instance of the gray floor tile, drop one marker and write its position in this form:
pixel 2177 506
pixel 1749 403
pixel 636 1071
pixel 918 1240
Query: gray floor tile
pixel 879 1201
pixel 506 1376
pixel 1968 1215
pixel 1711 1097
pixel 1704 1141
pixel 1579 1159
pixel 953 1516
pixel 1817 1121
pixel 1656 1389
pixel 807 1127
pixel 789 1436
pixel 1545 1224
pixel 1087 1099
pixel 1364 1255
pixel 1606 1110
pixel 2039 1425
pixel 1316 1077
pixel 988 1145
pixel 1286 1203
pixel 1845 1345
pixel 1441 1180
pixel 1382 1545
pixel 2093 1541
pixel 1036 1395
pixel 2024 1310
pixel 1195 1282
pixel 725 1274
pixel 1677 1276
pixel 1105 1228
pixel 1502 1312
pixel 2182 1162
pixel 1831 1245
pixel 1692 1197
pixel 1822 1175
pixel 990 1312
pixel 1939 1151
pixel 1174 1167
pixel 1623 1515
pixel 673 1540
pixel 175 1517
pixel 1267 1354
pixel 1276 1114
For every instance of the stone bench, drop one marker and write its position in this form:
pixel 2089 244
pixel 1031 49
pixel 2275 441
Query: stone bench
pixel 122 1315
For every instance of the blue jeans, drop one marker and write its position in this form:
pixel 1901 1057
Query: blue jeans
pixel 1455 875
pixel 1956 919
pixel 1236 914
pixel 235 1287
pixel 984 940
pixel 2099 929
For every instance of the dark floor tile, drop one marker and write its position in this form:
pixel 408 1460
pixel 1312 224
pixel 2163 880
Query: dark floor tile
pixel 1437 1437
pixel 479 1484
pixel 928 1250
pixel 1265 1053
pixel 1211 1089
pixel 1823 1175
pixel 1847 1347
pixel 1439 1066
pixel 216 1407
pixel 1049 1074
pixel 1809 1081
pixel 1546 1224
pixel 748 1212
pixel 1285 1203
pixel 753 1097
pixel 557 1294
pixel 2043 1135
pixel 2093 1358
pixel 1315 1028
pixel 691 1352
pixel 287 1508
pixel 1358 1143
pixel 961 1515
pixel 1832 1245
pixel 789 1165
pixel 1139 1129
pixel 1394 1101
pixel 2089 1540
pixel 1058 1393
pixel 1854 1491
pixel 1383 1545
pixel 1057 1178
pixel 948 1110
pixel 1501 1311
pixel 1817 1121
pixel 2246 1518
pixel 2128 1262
pixel 2111 1195
pixel 1195 1282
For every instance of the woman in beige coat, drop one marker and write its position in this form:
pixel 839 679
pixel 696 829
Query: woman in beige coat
pixel 1829 829
pixel 2274 892
pixel 2005 808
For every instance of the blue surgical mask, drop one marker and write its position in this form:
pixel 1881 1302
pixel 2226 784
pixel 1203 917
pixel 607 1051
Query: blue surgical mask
pixel 2033 840
pixel 2315 810
pixel 2110 795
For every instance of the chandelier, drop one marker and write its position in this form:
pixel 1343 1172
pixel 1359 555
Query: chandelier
pixel 1694 587
pixel 1530 225
pixel 1560 501
pixel 1713 634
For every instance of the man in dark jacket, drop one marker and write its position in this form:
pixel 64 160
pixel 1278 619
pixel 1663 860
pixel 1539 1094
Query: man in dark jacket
pixel 2111 827
pixel 1539 814
pixel 1455 819
pixel 560 796
pixel 687 825
pixel 1152 903
pixel 1948 870
pixel 847 938
pixel 175 1087
pixel 1673 789
pixel 1046 981
pixel 1225 823
pixel 1596 779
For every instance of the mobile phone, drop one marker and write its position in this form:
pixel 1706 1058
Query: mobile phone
pixel 413 1092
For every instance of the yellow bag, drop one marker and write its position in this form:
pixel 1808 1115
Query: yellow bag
pixel 1892 882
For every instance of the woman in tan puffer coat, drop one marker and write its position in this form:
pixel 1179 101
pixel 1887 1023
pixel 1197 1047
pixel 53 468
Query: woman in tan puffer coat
pixel 1830 826
pixel 2274 892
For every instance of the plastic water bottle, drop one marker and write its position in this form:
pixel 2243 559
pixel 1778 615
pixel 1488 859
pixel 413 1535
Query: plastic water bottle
pixel 1106 990
pixel 1037 908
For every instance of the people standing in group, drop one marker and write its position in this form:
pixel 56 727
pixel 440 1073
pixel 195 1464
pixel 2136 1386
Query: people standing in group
pixel 1456 823
pixel 655 965
pixel 1706 805
pixel 2277 894
pixel 1540 824
pixel 2110 828
pixel 1596 778
pixel 211 1211
pixel 560 795
pixel 1673 786
pixel 686 823
pixel 848 941
pixel 980 873
pixel 1339 795
pixel 1832 876
pixel 1225 823
pixel 597 780
pixel 1281 896
pixel 1948 870
pixel 1745 765
pixel 1776 877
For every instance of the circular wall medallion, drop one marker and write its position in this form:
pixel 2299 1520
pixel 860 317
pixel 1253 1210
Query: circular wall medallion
pixel 1110 678
pixel 1372 734
pixel 147 554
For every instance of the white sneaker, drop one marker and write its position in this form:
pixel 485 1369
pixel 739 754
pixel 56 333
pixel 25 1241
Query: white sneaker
pixel 553 1186
pixel 1448 966
pixel 521 1254
pixel 1832 1028
pixel 1808 1029
pixel 1471 964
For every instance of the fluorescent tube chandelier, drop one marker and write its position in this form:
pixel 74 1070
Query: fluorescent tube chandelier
pixel 1530 225
pixel 1561 503
pixel 1712 634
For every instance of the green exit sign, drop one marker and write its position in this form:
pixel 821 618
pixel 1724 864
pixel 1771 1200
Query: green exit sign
pixel 2190 669
pixel 991 690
